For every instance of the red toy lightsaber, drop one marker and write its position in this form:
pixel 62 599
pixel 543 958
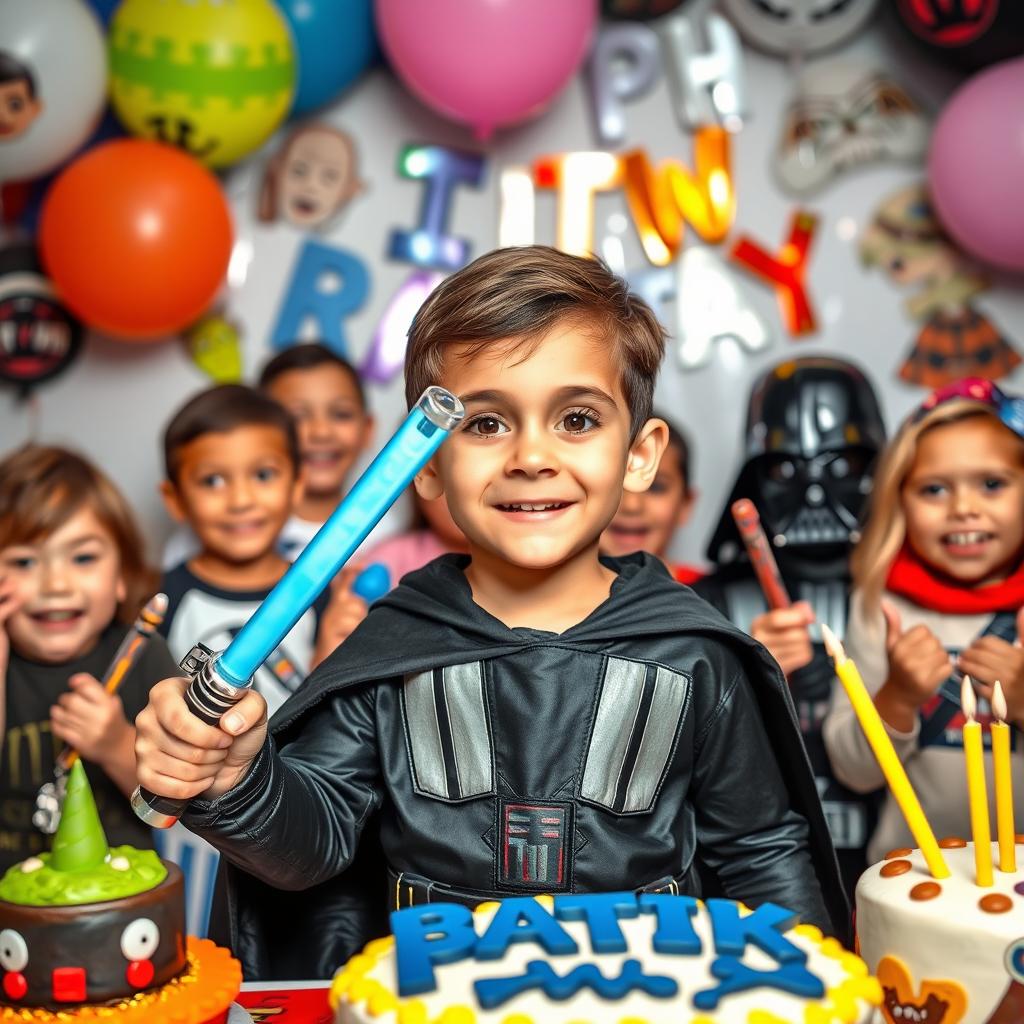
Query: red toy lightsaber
pixel 748 522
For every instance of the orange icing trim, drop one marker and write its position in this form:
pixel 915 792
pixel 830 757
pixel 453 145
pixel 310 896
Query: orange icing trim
pixel 206 988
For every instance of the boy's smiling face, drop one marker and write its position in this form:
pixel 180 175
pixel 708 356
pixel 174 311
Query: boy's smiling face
pixel 333 425
pixel 235 489
pixel 537 469
pixel 69 585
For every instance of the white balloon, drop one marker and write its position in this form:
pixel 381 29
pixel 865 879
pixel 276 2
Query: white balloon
pixel 61 46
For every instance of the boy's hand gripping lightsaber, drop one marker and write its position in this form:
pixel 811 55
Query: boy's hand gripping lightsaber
pixel 50 798
pixel 748 522
pixel 221 679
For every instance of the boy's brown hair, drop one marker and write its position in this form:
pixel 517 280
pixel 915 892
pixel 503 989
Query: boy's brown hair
pixel 522 293
pixel 220 409
pixel 308 356
pixel 42 487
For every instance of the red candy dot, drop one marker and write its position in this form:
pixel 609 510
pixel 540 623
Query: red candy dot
pixel 139 973
pixel 15 985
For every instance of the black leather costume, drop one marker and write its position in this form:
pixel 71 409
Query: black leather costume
pixel 651 746
pixel 813 434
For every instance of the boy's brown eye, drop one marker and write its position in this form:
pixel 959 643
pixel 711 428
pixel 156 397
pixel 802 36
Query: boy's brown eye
pixel 488 425
pixel 577 422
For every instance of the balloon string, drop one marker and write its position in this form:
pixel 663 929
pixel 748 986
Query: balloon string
pixel 34 416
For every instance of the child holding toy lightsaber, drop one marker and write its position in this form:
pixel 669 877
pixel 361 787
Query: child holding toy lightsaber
pixel 515 669
pixel 72 580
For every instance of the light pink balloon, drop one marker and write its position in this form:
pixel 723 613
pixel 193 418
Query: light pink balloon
pixel 486 62
pixel 976 165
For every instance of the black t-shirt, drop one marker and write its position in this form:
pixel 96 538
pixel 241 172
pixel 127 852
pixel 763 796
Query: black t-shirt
pixel 30 749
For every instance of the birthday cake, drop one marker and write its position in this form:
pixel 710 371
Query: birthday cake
pixel 88 932
pixel 945 951
pixel 603 957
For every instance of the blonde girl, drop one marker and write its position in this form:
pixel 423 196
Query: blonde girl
pixel 938 587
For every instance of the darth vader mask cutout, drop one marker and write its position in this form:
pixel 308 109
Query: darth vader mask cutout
pixel 814 501
pixel 813 433
pixel 788 27
pixel 845 115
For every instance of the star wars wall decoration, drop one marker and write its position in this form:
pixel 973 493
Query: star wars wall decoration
pixel 38 336
pixel 906 242
pixel 845 115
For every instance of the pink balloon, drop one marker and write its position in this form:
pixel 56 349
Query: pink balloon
pixel 486 62
pixel 976 165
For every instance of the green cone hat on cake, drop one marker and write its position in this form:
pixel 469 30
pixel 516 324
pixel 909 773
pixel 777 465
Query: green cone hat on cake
pixel 80 843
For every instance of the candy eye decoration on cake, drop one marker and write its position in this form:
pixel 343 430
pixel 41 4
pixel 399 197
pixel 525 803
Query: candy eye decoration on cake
pixel 138 941
pixel 13 960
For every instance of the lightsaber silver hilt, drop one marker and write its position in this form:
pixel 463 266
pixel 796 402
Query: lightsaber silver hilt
pixel 208 696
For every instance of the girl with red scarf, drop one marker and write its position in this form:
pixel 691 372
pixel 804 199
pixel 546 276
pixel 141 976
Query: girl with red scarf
pixel 938 588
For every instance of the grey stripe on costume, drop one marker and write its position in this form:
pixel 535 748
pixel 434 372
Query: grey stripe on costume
pixel 464 708
pixel 666 707
pixel 464 698
pixel 613 725
pixel 423 733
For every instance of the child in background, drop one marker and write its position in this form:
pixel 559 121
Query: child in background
pixel 72 580
pixel 647 521
pixel 433 533
pixel 938 567
pixel 325 395
pixel 231 459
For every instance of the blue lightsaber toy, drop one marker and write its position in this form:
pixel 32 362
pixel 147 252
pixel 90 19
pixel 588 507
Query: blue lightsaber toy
pixel 221 679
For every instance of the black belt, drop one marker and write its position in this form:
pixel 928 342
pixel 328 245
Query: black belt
pixel 408 890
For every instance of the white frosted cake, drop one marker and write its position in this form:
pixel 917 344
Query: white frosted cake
pixel 613 957
pixel 945 951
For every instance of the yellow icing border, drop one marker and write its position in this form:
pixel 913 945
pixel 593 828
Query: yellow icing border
pixel 840 1005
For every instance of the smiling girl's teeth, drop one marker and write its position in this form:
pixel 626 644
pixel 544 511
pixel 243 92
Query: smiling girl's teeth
pixel 971 537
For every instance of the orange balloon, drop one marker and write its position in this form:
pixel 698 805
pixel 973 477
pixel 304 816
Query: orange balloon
pixel 136 236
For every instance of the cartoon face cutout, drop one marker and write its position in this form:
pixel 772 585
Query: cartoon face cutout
pixel 845 115
pixel 906 241
pixel 935 1002
pixel 312 178
pixel 19 104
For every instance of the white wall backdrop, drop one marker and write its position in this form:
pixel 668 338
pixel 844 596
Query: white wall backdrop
pixel 113 402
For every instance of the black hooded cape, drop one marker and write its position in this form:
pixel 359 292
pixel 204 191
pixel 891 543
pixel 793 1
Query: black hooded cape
pixel 428 622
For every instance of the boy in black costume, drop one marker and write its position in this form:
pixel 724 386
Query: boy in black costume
pixel 527 718
pixel 814 432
